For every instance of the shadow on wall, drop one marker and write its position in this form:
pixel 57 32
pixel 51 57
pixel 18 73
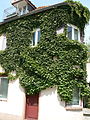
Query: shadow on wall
pixel 52 92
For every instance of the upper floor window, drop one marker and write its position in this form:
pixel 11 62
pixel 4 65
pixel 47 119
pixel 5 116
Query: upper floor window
pixel 36 37
pixel 2 42
pixel 73 32
pixel 3 87
pixel 22 10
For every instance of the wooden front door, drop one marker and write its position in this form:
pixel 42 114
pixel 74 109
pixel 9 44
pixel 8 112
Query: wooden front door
pixel 32 107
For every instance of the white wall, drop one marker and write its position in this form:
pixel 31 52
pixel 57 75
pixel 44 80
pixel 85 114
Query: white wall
pixel 14 107
pixel 52 108
pixel 88 72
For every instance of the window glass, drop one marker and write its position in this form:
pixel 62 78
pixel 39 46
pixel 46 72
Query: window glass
pixel 24 9
pixel 39 34
pixel 36 37
pixel 33 38
pixel 20 11
pixel 70 32
pixel 75 99
pixel 75 34
pixel 3 87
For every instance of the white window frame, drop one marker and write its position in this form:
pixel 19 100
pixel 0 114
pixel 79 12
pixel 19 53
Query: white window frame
pixel 80 102
pixel 36 36
pixel 61 30
pixel 3 42
pixel 74 27
pixel 2 99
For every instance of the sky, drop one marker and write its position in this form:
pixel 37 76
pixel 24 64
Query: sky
pixel 4 4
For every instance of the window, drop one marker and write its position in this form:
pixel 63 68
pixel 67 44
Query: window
pixel 2 42
pixel 3 87
pixel 36 37
pixel 69 32
pixel 73 32
pixel 20 11
pixel 75 97
pixel 24 9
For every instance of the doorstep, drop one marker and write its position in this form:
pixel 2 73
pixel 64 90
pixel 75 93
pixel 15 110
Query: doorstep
pixel 86 112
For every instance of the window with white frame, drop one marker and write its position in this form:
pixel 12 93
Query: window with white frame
pixel 73 32
pixel 36 37
pixel 75 97
pixel 3 42
pixel 3 87
pixel 23 10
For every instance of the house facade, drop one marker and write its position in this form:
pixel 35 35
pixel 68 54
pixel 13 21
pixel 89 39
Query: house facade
pixel 42 57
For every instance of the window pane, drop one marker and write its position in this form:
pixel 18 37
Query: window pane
pixel 24 9
pixel 20 11
pixel 75 34
pixel 70 32
pixel 75 99
pixel 3 87
pixel 39 33
pixel 33 38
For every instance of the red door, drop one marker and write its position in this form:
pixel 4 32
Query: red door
pixel 32 107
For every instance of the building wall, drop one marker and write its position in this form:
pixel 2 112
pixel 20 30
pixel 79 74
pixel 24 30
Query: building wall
pixel 14 107
pixel 52 108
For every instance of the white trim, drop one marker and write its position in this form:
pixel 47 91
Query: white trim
pixel 3 42
pixel 60 30
pixel 80 102
pixel 36 37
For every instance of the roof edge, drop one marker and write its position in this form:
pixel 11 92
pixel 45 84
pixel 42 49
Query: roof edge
pixel 34 12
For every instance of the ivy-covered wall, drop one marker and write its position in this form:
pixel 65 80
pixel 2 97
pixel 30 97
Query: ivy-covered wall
pixel 35 66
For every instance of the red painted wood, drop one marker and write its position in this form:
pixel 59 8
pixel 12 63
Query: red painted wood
pixel 32 107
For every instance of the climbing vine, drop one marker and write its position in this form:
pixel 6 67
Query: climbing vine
pixel 56 60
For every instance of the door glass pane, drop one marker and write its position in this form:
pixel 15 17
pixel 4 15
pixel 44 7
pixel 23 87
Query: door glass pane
pixel 70 32
pixel 3 88
pixel 75 34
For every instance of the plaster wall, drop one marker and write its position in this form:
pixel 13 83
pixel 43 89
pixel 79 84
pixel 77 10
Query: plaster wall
pixel 52 108
pixel 13 108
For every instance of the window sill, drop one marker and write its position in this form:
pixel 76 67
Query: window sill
pixel 73 108
pixel 3 100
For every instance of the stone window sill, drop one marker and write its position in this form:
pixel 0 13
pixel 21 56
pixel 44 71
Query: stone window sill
pixel 3 100
pixel 71 108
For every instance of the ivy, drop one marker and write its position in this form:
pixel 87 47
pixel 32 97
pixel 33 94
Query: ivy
pixel 56 60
